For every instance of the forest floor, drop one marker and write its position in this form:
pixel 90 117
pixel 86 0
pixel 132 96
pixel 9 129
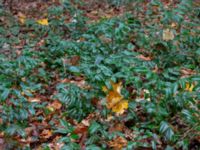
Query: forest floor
pixel 95 75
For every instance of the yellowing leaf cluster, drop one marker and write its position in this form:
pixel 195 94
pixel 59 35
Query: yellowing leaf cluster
pixel 114 100
pixel 189 87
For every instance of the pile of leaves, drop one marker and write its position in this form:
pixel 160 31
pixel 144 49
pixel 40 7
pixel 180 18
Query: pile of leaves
pixel 97 75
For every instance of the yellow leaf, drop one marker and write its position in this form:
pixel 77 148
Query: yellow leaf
pixel 43 22
pixel 116 86
pixel 120 107
pixel 104 89
pixel 112 99
pixel 50 108
pixel 168 35
pixel 189 87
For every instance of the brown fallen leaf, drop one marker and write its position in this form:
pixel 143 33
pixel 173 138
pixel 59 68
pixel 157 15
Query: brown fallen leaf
pixel 81 129
pixel 55 105
pixel 187 72
pixel 117 127
pixel 32 100
pixel 46 133
pixel 118 143
pixel 144 58
pixel 21 17
pixel 75 60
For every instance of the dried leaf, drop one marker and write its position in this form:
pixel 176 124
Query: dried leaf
pixel 187 72
pixel 168 35
pixel 118 127
pixel 174 24
pixel 32 100
pixel 56 105
pixel 118 143
pixel 43 22
pixel 46 134
pixel 144 58
pixel 80 129
pixel 22 18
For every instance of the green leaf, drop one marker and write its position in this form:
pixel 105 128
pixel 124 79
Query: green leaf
pixel 94 127
pixel 74 69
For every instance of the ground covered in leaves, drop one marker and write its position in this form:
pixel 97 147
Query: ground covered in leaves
pixel 99 75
